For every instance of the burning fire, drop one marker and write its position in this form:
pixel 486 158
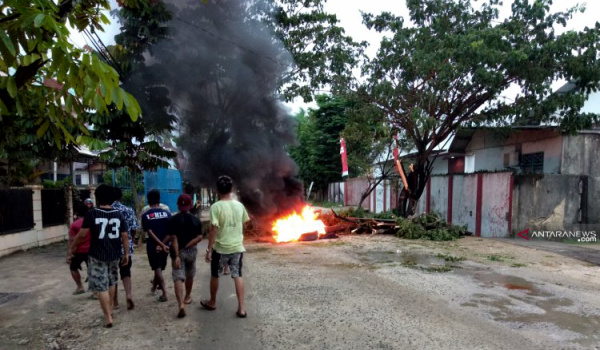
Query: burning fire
pixel 291 227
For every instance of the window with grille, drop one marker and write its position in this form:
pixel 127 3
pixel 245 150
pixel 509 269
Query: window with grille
pixel 532 163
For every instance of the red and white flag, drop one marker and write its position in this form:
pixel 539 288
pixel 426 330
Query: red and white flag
pixel 344 157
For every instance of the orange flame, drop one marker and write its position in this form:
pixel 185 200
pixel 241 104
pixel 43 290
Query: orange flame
pixel 291 227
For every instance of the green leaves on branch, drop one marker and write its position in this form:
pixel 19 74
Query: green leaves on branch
pixel 44 75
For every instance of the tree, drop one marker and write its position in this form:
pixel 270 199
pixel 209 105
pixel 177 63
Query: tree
pixel 136 145
pixel 45 78
pixel 453 65
pixel 318 152
pixel 319 132
pixel 323 55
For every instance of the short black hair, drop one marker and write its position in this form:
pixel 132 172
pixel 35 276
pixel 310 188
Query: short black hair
pixel 153 197
pixel 224 184
pixel 104 195
pixel 80 210
pixel 118 194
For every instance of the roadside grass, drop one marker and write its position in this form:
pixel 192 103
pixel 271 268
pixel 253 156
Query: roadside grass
pixel 326 204
pixel 438 268
pixel 518 265
pixel 450 258
pixel 499 257
pixel 331 243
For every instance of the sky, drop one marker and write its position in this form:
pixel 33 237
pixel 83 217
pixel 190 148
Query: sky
pixel 348 13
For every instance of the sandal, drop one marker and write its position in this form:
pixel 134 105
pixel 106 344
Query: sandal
pixel 162 299
pixel 181 313
pixel 241 315
pixel 205 305
pixel 78 291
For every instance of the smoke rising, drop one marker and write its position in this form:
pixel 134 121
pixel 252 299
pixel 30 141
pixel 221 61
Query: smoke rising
pixel 222 68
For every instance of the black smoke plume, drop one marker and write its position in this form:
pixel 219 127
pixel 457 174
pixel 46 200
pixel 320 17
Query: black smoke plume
pixel 223 66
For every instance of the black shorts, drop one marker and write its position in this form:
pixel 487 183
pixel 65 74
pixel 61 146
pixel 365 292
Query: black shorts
pixel 158 260
pixel 125 271
pixel 76 261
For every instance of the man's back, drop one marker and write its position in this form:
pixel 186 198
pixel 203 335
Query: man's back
pixel 185 227
pixel 105 227
pixel 229 217
pixel 157 220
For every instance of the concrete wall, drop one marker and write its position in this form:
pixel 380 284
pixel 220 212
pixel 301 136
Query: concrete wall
pixel 479 201
pixel 464 201
pixel 335 192
pixel 489 148
pixel 552 202
pixel 581 154
pixel 382 199
pixel 36 237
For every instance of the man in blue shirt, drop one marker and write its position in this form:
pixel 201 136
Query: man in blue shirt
pixel 125 271
pixel 155 221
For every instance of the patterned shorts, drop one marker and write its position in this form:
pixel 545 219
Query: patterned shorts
pixel 102 274
pixel 187 260
pixel 219 261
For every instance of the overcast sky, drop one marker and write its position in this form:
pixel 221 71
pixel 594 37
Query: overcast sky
pixel 349 15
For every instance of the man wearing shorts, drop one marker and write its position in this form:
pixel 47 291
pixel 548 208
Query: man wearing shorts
pixel 185 231
pixel 226 243
pixel 81 253
pixel 125 271
pixel 108 231
pixel 155 221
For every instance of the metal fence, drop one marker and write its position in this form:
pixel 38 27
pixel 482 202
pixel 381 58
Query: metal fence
pixel 54 207
pixel 16 210
pixel 168 182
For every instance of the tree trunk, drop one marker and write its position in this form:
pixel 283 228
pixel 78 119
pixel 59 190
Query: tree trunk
pixel 368 192
pixel 133 183
pixel 417 181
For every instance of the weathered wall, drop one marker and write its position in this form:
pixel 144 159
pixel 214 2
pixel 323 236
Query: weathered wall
pixel 489 148
pixel 464 201
pixel 581 154
pixel 552 202
pixel 382 199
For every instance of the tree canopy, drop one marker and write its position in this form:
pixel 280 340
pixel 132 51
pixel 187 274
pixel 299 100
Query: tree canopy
pixel 453 64
pixel 319 130
pixel 46 79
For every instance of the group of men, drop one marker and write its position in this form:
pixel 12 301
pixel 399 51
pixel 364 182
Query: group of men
pixel 102 236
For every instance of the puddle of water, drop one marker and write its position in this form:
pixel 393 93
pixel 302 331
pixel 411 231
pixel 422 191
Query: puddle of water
pixel 517 287
pixel 489 279
pixel 546 307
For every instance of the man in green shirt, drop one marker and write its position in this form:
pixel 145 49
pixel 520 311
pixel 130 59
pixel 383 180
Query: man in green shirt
pixel 226 243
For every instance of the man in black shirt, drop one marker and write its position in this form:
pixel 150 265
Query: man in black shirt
pixel 108 231
pixel 185 231
pixel 155 221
